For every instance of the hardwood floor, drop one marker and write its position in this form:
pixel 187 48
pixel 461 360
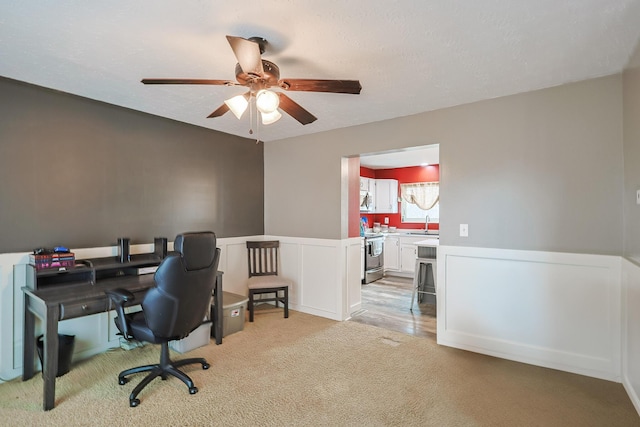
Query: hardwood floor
pixel 385 303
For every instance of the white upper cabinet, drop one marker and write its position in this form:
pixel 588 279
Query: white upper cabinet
pixel 365 184
pixel 386 200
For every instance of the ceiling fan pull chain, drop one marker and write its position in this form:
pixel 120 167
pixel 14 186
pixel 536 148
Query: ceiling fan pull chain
pixel 257 128
pixel 250 117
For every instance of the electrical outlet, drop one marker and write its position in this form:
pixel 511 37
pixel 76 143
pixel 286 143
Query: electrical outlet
pixel 386 220
pixel 638 197
pixel 464 230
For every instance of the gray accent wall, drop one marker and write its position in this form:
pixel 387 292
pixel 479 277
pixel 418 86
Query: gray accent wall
pixel 631 79
pixel 81 173
pixel 541 170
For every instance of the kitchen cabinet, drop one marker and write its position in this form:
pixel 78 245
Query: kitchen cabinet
pixel 365 184
pixel 408 256
pixel 400 254
pixel 391 253
pixel 386 199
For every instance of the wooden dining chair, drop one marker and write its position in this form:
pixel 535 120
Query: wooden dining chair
pixel 264 280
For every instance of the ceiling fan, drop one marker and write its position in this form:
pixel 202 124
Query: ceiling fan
pixel 259 75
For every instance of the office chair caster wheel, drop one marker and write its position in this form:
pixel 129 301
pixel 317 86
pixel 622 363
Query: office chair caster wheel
pixel 122 381
pixel 205 366
pixel 193 390
pixel 134 402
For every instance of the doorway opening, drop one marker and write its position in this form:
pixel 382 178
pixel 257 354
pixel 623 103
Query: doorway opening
pixel 386 302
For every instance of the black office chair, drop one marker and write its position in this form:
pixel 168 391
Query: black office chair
pixel 173 308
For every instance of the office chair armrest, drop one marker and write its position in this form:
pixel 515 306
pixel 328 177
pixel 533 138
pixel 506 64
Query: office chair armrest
pixel 120 297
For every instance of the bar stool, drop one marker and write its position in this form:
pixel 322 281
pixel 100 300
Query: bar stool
pixel 424 279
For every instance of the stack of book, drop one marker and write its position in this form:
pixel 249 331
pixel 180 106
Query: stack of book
pixel 58 260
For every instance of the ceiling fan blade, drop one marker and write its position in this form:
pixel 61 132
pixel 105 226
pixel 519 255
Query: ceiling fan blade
pixel 295 110
pixel 247 53
pixel 314 85
pixel 219 112
pixel 187 82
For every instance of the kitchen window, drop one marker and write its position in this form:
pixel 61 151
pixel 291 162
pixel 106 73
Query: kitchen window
pixel 420 199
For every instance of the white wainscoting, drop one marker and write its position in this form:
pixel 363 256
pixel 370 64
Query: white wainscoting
pixel 556 310
pixel 325 275
pixel 631 330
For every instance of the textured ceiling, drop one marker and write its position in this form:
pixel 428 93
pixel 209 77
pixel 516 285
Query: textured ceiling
pixel 410 56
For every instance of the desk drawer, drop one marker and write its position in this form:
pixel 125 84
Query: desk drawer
pixel 69 311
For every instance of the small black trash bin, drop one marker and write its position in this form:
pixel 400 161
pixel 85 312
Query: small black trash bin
pixel 65 352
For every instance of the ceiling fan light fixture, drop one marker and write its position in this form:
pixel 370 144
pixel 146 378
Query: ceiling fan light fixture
pixel 237 105
pixel 268 118
pixel 267 101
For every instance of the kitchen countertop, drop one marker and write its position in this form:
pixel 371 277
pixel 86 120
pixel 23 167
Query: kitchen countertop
pixel 410 233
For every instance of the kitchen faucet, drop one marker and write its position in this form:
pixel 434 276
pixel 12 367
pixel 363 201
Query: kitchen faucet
pixel 426 225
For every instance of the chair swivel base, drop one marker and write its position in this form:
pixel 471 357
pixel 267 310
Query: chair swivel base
pixel 165 368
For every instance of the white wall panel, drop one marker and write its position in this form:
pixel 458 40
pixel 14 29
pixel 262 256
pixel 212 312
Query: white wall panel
pixel 352 279
pixel 290 268
pixel 631 330
pixel 320 290
pixel 233 262
pixel 549 309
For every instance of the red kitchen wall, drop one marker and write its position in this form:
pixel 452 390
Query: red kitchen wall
pixel 429 173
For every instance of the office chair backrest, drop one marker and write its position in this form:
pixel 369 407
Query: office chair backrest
pixel 184 284
pixel 263 258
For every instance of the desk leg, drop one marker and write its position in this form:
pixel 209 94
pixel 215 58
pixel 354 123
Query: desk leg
pixel 218 312
pixel 28 340
pixel 50 356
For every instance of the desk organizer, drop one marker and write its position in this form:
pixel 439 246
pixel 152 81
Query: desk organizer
pixel 69 271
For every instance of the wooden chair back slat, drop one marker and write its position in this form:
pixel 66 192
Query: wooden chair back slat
pixel 263 258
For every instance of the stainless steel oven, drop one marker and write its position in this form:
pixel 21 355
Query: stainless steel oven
pixel 373 257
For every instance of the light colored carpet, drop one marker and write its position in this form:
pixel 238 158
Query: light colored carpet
pixel 307 371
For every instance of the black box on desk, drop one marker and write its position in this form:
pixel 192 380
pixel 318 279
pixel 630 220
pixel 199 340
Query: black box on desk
pixel 233 307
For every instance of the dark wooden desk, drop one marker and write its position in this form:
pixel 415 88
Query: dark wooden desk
pixel 76 300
